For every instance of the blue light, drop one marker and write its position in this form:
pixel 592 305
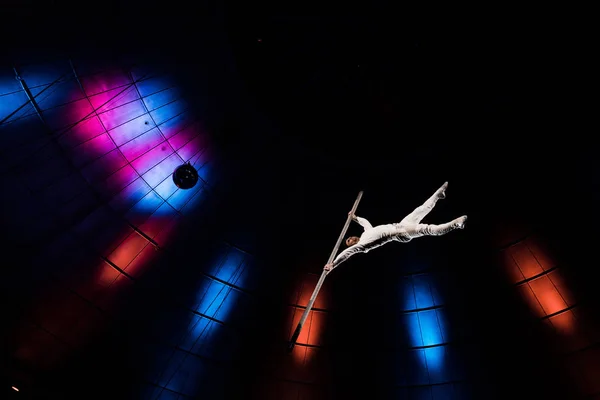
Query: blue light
pixel 153 85
pixel 197 328
pixel 425 325
pixel 215 299
pixel 212 296
pixel 430 329
pixel 411 322
pixel 229 270
pixel 166 188
pixel 148 204
pixel 180 198
pixel 10 102
pixel 125 138
pixel 423 296
pixel 207 333
pixel 167 111
pixel 436 365
pixel 197 198
pixel 160 97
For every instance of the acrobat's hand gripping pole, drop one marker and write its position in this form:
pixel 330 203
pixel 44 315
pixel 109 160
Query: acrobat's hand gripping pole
pixel 323 275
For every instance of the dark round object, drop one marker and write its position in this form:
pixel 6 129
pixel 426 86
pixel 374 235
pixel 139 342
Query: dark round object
pixel 185 176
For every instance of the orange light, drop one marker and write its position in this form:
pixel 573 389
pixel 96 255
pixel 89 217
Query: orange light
pixel 564 323
pixel 547 295
pixel 314 325
pixel 525 260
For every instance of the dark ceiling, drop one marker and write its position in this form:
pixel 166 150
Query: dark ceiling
pixel 396 79
pixel 382 95
pixel 375 90
pixel 376 83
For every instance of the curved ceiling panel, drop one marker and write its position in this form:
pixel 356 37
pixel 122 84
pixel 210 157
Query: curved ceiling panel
pixel 570 331
pixel 88 151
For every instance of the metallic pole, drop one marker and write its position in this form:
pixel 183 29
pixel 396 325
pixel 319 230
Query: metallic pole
pixel 323 275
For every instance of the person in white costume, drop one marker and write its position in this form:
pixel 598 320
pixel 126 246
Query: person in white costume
pixel 404 231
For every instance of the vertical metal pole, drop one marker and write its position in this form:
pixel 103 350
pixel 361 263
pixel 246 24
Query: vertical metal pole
pixel 323 275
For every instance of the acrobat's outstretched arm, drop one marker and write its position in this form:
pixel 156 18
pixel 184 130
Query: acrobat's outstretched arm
pixel 344 255
pixel 362 222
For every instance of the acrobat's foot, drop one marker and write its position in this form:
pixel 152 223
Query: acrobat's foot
pixel 441 192
pixel 460 222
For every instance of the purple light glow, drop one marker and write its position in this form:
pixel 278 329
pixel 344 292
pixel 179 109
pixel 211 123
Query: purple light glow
pixel 125 133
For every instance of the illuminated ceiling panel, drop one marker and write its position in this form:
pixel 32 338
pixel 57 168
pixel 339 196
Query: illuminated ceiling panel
pixel 89 151
pixel 534 270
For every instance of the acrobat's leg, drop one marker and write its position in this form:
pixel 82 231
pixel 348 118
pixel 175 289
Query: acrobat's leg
pixel 420 212
pixel 435 230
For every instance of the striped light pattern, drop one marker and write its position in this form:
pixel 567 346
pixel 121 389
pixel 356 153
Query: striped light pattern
pixel 534 271
pixel 87 152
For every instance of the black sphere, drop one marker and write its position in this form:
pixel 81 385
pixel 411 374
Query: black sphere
pixel 185 176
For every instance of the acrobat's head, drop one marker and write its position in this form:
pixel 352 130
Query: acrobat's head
pixel 352 240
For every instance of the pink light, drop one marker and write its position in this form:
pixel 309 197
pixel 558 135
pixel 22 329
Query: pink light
pixel 182 137
pixel 147 161
pixel 104 81
pixel 191 148
pixel 107 100
pixel 69 114
pixel 162 171
pixel 127 155
pixel 165 236
pixel 130 129
pixel 158 221
pixel 82 132
pixel 122 114
pixel 14 388
pixel 142 144
pixel 92 149
pixel 100 169
pixel 119 180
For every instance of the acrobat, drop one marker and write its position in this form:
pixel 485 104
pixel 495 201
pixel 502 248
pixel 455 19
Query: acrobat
pixel 404 231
